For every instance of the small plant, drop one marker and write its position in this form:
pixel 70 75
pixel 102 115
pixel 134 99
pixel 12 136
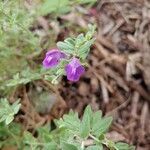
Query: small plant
pixel 92 127
pixel 71 133
pixel 70 58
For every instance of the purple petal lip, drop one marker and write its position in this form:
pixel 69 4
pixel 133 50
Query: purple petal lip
pixel 74 70
pixel 53 58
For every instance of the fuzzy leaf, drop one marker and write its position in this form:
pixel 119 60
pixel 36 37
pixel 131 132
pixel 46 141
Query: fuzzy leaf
pixel 54 6
pixel 67 146
pixel 68 48
pixel 96 119
pixel 70 121
pixel 101 126
pixel 95 147
pixel 8 111
pixel 84 49
pixel 70 41
pixel 86 122
pixel 123 146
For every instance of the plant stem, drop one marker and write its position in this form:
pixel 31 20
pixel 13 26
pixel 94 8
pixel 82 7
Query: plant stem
pixel 82 145
pixel 94 138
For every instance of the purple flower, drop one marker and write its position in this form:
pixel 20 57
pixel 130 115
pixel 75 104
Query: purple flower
pixel 52 58
pixel 74 70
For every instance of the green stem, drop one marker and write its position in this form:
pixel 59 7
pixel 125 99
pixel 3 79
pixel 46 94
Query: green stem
pixel 94 138
pixel 82 145
pixel 105 142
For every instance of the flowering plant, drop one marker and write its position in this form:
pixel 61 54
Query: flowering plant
pixel 71 132
pixel 70 56
pixel 68 59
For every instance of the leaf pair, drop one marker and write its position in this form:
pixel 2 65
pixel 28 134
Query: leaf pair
pixel 93 123
pixel 79 46
pixel 8 111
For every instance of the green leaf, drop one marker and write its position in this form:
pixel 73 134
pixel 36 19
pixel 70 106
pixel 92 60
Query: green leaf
pixel 70 121
pixel 16 106
pixel 67 146
pixel 9 119
pixel 84 49
pixel 44 133
pixel 45 137
pixel 86 122
pixel 1 144
pixel 15 128
pixel 95 147
pixel 79 40
pixel 29 138
pixel 123 146
pixel 8 111
pixel 50 146
pixel 91 31
pixel 87 1
pixel 10 135
pixel 54 6
pixel 30 141
pixel 24 77
pixel 70 41
pixel 101 126
pixel 68 48
pixel 96 119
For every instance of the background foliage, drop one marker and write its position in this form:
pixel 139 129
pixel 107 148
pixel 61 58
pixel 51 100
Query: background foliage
pixel 70 132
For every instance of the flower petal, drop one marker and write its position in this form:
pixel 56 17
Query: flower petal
pixel 52 52
pixel 74 70
pixel 49 62
pixel 80 70
pixel 52 58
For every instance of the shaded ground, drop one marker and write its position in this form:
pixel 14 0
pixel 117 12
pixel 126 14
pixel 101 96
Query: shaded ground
pixel 117 80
